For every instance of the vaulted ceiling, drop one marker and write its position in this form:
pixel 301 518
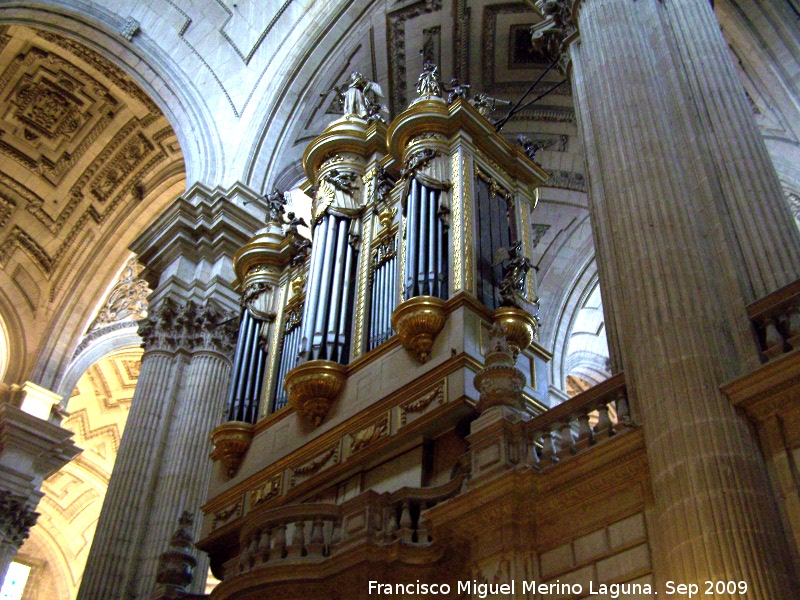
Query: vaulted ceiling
pixel 83 153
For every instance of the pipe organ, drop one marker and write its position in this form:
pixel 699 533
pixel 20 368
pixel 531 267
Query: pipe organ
pixel 362 355
pixel 408 221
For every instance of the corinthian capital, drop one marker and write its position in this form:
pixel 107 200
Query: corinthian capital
pixel 189 327
pixel 557 26
pixel 16 518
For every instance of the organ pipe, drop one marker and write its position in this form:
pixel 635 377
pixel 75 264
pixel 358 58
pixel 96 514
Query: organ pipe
pixel 426 244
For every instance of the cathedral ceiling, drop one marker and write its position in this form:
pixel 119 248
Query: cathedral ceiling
pixel 82 151
pixel 484 44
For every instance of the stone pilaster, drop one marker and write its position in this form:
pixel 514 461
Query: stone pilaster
pixel 31 449
pixel 162 466
pixel 687 211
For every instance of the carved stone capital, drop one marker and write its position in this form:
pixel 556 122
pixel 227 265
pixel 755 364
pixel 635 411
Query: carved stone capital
pixel 189 327
pixel 557 27
pixel 16 518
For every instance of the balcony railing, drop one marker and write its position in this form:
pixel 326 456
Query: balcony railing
pixel 776 319
pixel 583 421
pixel 316 532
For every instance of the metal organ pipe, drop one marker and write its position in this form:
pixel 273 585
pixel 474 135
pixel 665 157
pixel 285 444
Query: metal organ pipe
pixel 411 242
pixel 318 334
pixel 242 384
pixel 425 244
pixel 314 283
pixel 237 368
pixel 442 254
pixel 344 309
pixel 432 244
pixel 331 333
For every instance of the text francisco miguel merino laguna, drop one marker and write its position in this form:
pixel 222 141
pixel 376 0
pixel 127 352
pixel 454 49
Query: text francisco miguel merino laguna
pixel 482 590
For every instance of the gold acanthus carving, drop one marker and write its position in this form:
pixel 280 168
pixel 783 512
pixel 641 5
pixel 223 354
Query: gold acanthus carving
pixel 313 386
pixel 421 403
pixel 269 490
pixel 468 235
pixel 417 322
pixel 363 277
pixel 273 351
pixel 369 435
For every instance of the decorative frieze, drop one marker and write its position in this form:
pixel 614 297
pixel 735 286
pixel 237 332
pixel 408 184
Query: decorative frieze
pixel 370 434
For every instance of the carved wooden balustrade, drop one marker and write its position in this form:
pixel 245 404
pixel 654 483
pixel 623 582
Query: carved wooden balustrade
pixel 316 532
pixel 583 421
pixel 776 319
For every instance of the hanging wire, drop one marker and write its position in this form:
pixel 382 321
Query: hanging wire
pixel 516 108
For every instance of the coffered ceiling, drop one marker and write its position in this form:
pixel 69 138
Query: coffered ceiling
pixel 83 150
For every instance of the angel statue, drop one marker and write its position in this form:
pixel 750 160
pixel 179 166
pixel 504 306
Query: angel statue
pixel 360 97
pixel 275 203
pixel 515 272
pixel 429 82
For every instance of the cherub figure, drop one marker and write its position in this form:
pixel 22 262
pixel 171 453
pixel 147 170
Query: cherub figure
pixel 292 222
pixel 457 90
pixel 486 104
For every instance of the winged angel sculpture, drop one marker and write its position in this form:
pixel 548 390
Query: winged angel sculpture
pixel 360 98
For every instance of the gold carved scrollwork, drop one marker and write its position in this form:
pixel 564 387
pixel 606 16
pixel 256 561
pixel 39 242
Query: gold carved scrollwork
pixel 384 250
pixel 422 403
pixel 221 517
pixel 369 435
pixel 269 490
pixel 457 201
pixel 315 465
pixel 494 187
pixel 468 234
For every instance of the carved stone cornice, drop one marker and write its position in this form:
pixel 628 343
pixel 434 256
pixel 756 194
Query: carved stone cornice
pixel 201 225
pixel 16 518
pixel 189 327
pixel 558 29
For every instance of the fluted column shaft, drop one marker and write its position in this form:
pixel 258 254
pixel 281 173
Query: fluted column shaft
pixel 124 517
pixel 162 466
pixel 674 164
pixel 184 478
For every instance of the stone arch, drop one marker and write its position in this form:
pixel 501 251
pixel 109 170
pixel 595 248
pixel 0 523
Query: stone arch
pixel 73 202
pixel 12 343
pixel 154 71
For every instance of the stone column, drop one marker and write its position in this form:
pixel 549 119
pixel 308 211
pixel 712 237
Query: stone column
pixel 162 466
pixel 687 212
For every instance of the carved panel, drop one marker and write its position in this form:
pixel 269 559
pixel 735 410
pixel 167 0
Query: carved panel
pixel 418 406
pixel 317 464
